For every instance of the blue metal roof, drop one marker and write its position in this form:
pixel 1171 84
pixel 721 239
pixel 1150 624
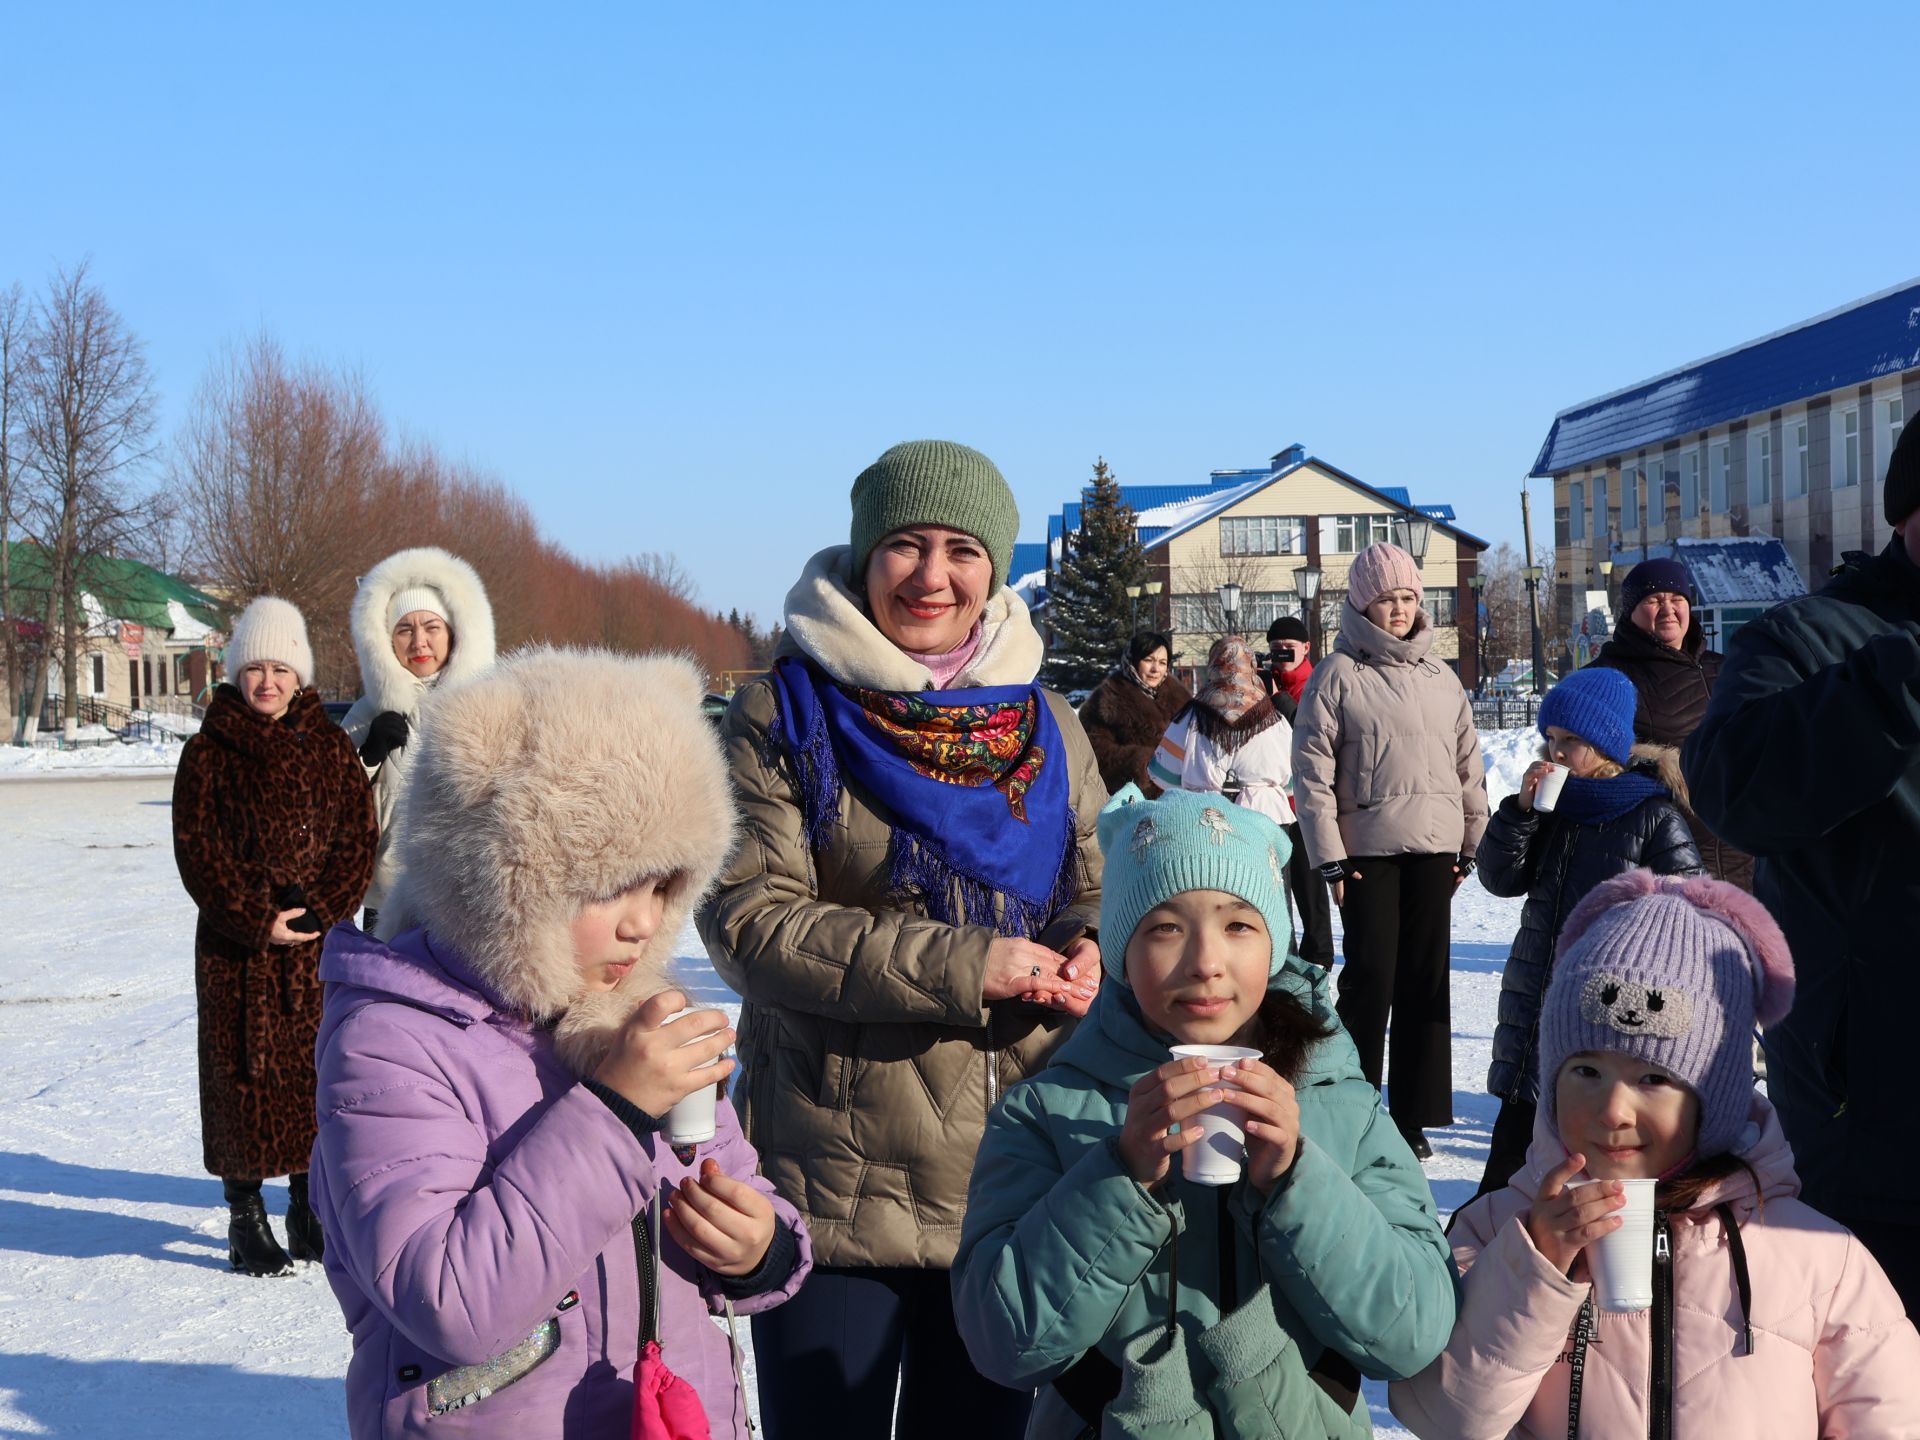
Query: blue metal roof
pixel 1742 570
pixel 1028 556
pixel 1879 335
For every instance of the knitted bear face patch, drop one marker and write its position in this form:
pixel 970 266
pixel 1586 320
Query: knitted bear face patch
pixel 1631 1008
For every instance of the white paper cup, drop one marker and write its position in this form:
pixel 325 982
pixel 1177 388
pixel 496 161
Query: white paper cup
pixel 691 1121
pixel 1546 795
pixel 1221 1156
pixel 1621 1261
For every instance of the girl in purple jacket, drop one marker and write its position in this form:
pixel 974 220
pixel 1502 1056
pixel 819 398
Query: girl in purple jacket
pixel 493 1079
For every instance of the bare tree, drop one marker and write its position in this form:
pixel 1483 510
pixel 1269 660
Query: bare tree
pixel 14 329
pixel 665 570
pixel 87 418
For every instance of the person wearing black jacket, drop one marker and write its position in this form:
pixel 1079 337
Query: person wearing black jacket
pixel 1809 758
pixel 1618 810
pixel 1658 645
pixel 1291 666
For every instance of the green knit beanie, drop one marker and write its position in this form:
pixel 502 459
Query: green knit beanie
pixel 1186 841
pixel 934 482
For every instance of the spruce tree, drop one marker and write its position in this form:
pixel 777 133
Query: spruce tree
pixel 1088 609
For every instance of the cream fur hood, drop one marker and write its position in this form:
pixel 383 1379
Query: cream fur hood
pixel 388 684
pixel 561 778
pixel 826 620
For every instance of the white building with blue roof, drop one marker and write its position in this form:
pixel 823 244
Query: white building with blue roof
pixel 1257 529
pixel 1785 437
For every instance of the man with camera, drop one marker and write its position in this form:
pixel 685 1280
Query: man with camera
pixel 1288 666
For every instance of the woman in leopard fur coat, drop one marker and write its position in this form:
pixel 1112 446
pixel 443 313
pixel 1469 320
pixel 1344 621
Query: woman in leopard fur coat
pixel 274 836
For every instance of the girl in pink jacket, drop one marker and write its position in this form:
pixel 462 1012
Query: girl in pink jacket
pixel 1769 1321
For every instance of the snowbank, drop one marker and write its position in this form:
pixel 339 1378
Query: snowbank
pixel 1507 754
pixel 44 760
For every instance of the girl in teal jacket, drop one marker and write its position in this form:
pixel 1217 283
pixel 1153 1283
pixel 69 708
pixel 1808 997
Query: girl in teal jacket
pixel 1140 1302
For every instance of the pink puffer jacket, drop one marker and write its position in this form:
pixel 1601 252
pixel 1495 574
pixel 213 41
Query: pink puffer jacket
pixel 1833 1354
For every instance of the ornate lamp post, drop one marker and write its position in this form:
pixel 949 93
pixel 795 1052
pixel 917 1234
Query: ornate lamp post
pixel 1152 591
pixel 1411 532
pixel 1533 574
pixel 1133 600
pixel 1477 582
pixel 1230 606
pixel 1306 585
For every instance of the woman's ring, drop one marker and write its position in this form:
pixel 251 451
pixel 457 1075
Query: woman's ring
pixel 1036 972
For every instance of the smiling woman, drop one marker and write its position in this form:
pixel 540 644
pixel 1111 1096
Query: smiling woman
pixel 907 926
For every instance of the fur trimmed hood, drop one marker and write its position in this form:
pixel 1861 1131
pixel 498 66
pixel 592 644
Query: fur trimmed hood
pixel 1664 760
pixel 388 684
pixel 561 778
pixel 826 620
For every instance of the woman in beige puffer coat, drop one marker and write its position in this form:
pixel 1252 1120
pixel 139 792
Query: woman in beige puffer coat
pixel 1392 798
pixel 907 922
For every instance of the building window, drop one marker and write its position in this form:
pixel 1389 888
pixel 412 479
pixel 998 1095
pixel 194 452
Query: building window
pixel 1600 507
pixel 1260 608
pixel 1722 477
pixel 1896 421
pixel 1760 492
pixel 1353 533
pixel 1440 607
pixel 1332 602
pixel 182 675
pixel 1630 498
pixel 1195 613
pixel 1263 535
pixel 99 674
pixel 1690 485
pixel 1577 511
pixel 1849 469
pixel 1797 480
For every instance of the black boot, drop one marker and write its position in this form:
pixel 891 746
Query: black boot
pixel 304 1241
pixel 250 1243
pixel 1417 1142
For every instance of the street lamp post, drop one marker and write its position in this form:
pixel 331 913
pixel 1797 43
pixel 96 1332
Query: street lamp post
pixel 1230 606
pixel 1306 585
pixel 1152 591
pixel 1476 583
pixel 1533 574
pixel 1411 532
pixel 1133 600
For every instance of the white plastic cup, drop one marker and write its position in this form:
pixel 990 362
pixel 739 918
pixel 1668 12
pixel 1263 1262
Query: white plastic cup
pixel 691 1122
pixel 1221 1155
pixel 1621 1261
pixel 1546 794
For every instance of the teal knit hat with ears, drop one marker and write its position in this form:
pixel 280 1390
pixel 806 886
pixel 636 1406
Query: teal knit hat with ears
pixel 1155 849
pixel 935 482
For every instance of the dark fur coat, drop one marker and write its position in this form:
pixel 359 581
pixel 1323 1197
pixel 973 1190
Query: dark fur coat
pixel 259 805
pixel 1125 724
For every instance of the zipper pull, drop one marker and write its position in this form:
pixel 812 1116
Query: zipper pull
pixel 1661 1252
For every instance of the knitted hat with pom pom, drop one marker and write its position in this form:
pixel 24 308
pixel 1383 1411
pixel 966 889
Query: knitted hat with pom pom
pixel 1675 970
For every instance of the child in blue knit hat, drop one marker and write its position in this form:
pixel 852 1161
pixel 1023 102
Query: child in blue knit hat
pixel 1615 812
pixel 1093 1267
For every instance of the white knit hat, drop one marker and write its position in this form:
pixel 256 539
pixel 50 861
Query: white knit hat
pixel 270 629
pixel 415 597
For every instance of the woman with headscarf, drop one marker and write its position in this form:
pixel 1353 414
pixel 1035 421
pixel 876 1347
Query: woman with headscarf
pixel 1658 644
pixel 273 834
pixel 421 620
pixel 1392 797
pixel 907 923
pixel 1130 710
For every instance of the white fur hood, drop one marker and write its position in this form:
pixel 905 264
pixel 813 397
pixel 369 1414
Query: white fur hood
pixel 562 777
pixel 826 621
pixel 388 684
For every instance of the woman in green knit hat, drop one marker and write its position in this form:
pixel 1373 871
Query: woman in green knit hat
pixel 906 924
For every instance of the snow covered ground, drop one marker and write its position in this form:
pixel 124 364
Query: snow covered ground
pixel 117 1310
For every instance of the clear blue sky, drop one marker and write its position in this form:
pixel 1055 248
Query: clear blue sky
pixel 675 273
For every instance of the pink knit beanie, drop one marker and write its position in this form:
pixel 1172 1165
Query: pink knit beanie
pixel 1378 569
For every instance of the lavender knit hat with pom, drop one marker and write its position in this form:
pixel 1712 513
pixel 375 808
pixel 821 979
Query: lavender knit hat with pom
pixel 1675 970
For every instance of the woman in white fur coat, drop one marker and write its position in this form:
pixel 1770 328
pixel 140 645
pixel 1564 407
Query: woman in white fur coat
pixel 421 620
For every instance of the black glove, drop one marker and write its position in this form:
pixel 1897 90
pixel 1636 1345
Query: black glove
pixel 305 923
pixel 1334 871
pixel 387 733
pixel 1464 864
pixel 290 897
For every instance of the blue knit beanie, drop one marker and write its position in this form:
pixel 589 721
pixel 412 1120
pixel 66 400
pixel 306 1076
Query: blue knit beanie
pixel 1663 574
pixel 1597 705
pixel 1156 849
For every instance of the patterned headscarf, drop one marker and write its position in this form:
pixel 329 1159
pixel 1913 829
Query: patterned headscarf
pixel 1232 705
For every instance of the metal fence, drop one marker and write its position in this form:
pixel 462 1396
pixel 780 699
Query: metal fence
pixel 1506 712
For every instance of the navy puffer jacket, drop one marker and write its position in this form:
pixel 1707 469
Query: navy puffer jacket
pixel 1554 861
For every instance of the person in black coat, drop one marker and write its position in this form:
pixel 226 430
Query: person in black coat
pixel 1616 812
pixel 1658 645
pixel 1130 710
pixel 1809 758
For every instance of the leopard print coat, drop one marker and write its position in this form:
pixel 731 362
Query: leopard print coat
pixel 258 805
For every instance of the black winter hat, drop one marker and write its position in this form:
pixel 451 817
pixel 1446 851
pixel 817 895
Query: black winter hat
pixel 1903 477
pixel 1660 575
pixel 1287 627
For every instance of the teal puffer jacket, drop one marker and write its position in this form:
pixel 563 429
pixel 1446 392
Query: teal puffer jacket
pixel 1063 1251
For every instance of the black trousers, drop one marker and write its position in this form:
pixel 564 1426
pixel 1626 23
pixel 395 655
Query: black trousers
pixel 1397 914
pixel 1312 904
pixel 829 1359
pixel 1512 1134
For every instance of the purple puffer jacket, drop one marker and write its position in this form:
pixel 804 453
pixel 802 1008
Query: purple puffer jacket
pixel 471 1190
